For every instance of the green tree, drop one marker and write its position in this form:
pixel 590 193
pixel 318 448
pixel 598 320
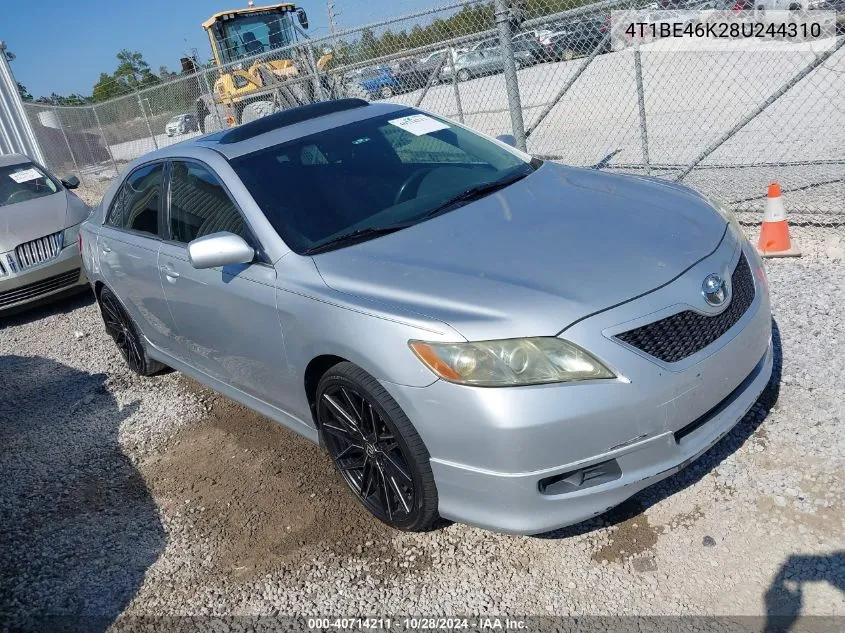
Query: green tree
pixel 107 88
pixel 24 93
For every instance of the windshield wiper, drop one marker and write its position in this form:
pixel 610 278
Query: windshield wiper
pixel 474 193
pixel 358 235
pixel 361 235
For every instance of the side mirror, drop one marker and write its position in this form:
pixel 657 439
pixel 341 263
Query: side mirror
pixel 302 17
pixel 219 249
pixel 508 139
pixel 71 182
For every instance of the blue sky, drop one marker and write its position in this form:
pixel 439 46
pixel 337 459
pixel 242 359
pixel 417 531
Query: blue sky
pixel 65 52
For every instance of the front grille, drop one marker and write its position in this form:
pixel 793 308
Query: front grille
pixel 38 251
pixel 34 290
pixel 683 334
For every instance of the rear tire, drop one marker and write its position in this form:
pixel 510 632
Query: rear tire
pixel 257 110
pixel 463 75
pixel 125 333
pixel 376 449
pixel 386 92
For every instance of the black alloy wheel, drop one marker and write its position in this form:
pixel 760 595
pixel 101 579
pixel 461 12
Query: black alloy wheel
pixel 121 328
pixel 376 449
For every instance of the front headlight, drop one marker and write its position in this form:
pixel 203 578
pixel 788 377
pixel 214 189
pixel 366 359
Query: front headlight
pixel 723 210
pixel 70 235
pixel 510 362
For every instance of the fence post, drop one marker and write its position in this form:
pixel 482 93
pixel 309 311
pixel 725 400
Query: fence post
pixel 211 100
pixel 105 140
pixel 451 53
pixel 430 82
pixel 319 95
pixel 67 143
pixel 146 120
pixel 511 81
pixel 638 68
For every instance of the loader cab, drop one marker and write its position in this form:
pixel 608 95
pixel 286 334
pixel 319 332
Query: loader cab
pixel 252 31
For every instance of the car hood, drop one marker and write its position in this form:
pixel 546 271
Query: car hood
pixel 531 259
pixel 36 218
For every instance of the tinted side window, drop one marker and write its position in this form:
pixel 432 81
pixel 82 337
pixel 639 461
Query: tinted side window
pixel 115 216
pixel 135 206
pixel 199 205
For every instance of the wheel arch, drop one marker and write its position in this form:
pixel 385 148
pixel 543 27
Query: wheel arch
pixel 316 369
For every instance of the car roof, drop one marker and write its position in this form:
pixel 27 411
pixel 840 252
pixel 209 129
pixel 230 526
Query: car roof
pixel 14 159
pixel 283 126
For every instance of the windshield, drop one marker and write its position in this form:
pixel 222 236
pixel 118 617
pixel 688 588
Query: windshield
pixel 254 33
pixel 389 170
pixel 176 119
pixel 22 182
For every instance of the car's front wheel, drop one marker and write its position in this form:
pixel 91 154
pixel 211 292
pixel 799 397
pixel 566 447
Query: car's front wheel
pixel 376 449
pixel 120 327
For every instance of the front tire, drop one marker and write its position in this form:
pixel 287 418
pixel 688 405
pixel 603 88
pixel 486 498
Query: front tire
pixel 463 75
pixel 386 92
pixel 376 449
pixel 121 328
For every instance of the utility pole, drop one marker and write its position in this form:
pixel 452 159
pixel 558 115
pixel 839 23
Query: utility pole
pixel 332 17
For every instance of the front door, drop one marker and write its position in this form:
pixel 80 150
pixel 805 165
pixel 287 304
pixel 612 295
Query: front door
pixel 226 319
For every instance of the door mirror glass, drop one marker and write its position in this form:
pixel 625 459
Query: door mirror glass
pixel 302 17
pixel 508 139
pixel 219 249
pixel 71 182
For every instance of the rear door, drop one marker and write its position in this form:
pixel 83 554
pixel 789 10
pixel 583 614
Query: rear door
pixel 128 251
pixel 226 317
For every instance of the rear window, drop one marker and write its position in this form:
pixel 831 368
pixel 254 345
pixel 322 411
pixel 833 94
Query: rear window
pixel 24 181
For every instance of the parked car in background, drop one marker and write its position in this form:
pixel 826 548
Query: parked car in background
pixel 182 124
pixel 381 82
pixel 39 229
pixel 580 37
pixel 448 316
pixel 485 62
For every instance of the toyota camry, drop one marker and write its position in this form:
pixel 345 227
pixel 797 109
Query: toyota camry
pixel 470 332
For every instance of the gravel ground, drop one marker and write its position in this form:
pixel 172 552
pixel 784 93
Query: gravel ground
pixel 150 496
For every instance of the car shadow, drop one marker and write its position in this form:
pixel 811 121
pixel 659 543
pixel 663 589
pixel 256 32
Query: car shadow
pixel 79 527
pixel 784 596
pixel 693 473
pixel 63 304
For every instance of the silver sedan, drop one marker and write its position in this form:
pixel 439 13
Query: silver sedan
pixel 39 229
pixel 471 332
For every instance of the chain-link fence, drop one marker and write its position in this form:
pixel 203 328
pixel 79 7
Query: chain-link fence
pixel 726 119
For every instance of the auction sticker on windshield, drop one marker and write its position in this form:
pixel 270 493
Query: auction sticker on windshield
pixel 419 124
pixel 26 175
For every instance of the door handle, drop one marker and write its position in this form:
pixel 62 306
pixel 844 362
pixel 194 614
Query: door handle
pixel 169 272
pixel 106 248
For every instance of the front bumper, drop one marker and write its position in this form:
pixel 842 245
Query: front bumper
pixel 57 276
pixel 492 449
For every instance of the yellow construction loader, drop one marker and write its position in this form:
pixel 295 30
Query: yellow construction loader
pixel 265 63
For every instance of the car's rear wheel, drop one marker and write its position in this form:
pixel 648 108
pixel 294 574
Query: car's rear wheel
pixel 125 334
pixel 376 449
pixel 386 92
pixel 463 75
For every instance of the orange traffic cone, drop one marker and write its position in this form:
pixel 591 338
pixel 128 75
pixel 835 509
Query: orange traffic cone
pixel 775 240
